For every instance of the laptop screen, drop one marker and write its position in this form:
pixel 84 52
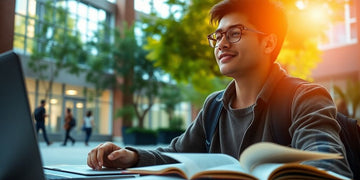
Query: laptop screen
pixel 20 156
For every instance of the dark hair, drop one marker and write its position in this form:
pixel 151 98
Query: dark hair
pixel 88 114
pixel 42 101
pixel 266 16
pixel 68 110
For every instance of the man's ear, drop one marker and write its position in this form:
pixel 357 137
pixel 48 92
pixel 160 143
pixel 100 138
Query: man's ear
pixel 270 42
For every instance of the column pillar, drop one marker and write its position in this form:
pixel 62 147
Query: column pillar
pixel 7 18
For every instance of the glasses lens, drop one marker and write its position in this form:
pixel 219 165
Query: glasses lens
pixel 212 39
pixel 212 43
pixel 234 34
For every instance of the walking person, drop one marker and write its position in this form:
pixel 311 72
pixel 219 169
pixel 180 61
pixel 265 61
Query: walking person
pixel 88 126
pixel 68 127
pixel 40 114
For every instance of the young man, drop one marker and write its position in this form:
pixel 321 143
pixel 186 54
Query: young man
pixel 246 43
pixel 40 114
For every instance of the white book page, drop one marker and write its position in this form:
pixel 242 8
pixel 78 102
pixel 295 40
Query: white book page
pixel 197 162
pixel 161 169
pixel 263 171
pixel 266 152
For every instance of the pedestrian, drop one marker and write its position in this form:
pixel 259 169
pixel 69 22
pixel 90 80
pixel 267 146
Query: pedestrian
pixel 246 43
pixel 68 127
pixel 40 115
pixel 88 126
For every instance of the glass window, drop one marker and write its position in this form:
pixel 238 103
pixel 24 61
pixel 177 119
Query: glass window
pixel 102 16
pixel 93 14
pixel 31 28
pixel 32 8
pixel 43 87
pixel 20 7
pixel 20 24
pixel 57 89
pixel 340 33
pixel 344 32
pixel 73 7
pixel 54 121
pixel 102 120
pixel 31 97
pixel 19 43
pixel 30 85
pixel 30 44
pixel 353 30
pixel 58 16
pixel 82 10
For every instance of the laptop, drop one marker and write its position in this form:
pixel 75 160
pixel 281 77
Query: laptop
pixel 20 155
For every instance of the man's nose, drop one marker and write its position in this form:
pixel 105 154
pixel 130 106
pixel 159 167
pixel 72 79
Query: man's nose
pixel 223 43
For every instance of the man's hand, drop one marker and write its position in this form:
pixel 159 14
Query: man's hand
pixel 111 156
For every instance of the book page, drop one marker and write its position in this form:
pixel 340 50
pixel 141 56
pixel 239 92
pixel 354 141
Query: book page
pixel 197 162
pixel 228 171
pixel 292 171
pixel 266 152
pixel 177 168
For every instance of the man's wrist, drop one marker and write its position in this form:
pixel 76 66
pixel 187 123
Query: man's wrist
pixel 136 156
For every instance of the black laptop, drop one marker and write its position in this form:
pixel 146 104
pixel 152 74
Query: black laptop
pixel 19 153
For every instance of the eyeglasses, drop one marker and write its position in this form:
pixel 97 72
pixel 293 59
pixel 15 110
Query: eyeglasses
pixel 232 35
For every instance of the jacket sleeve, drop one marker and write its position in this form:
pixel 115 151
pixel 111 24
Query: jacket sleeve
pixel 315 128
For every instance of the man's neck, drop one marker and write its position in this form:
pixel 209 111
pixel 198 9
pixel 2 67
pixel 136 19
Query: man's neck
pixel 248 87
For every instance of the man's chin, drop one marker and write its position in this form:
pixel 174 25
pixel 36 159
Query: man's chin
pixel 227 73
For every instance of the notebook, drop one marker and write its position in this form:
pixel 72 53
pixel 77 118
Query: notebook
pixel 19 154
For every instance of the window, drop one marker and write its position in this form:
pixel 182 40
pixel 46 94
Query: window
pixel 344 32
pixel 54 19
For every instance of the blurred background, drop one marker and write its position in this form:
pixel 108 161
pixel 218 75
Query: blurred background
pixel 144 67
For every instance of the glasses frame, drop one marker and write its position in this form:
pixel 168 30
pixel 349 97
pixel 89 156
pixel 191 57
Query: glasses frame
pixel 241 27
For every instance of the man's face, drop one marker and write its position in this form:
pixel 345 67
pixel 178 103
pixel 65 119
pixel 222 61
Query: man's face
pixel 242 57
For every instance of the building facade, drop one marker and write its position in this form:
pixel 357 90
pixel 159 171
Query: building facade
pixel 22 20
pixel 341 52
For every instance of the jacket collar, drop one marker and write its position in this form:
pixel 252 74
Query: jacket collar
pixel 275 75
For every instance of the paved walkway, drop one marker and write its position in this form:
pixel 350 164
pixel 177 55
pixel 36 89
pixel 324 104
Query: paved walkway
pixel 76 154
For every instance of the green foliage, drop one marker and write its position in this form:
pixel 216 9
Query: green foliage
pixel 176 122
pixel 170 130
pixel 350 95
pixel 170 96
pixel 60 45
pixel 140 130
pixel 179 44
pixel 182 49
pixel 132 73
pixel 126 111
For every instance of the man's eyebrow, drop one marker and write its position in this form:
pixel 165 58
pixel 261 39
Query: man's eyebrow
pixel 235 25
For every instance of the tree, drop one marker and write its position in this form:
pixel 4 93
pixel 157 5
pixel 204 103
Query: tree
pixel 170 96
pixel 132 73
pixel 350 95
pixel 61 46
pixel 180 47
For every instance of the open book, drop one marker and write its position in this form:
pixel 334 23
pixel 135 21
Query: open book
pixel 263 161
